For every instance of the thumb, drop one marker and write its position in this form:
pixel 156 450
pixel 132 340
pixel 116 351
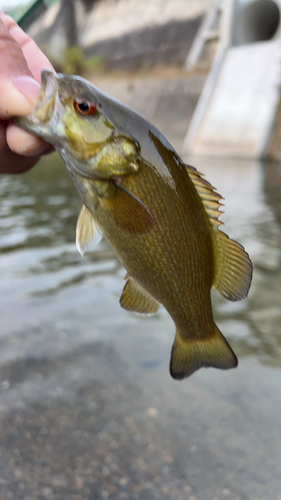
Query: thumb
pixel 18 90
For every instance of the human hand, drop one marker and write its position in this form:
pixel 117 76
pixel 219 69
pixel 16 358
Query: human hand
pixel 20 74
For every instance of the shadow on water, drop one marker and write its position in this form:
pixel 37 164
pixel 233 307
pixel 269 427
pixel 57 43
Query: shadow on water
pixel 88 410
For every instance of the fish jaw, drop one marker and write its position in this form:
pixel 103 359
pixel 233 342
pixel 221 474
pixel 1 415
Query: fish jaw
pixel 44 109
pixel 43 119
pixel 88 147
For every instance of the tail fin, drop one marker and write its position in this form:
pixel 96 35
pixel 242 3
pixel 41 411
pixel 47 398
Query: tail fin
pixel 189 355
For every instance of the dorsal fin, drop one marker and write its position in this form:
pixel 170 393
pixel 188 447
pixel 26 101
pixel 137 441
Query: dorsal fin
pixel 233 267
pixel 209 197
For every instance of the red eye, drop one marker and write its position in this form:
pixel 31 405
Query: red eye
pixel 84 106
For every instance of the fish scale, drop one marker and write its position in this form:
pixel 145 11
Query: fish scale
pixel 160 216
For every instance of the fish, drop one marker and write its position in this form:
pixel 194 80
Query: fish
pixel 160 215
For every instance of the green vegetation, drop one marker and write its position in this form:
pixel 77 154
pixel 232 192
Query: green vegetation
pixel 74 62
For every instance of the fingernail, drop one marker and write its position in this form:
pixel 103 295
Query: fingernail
pixel 29 87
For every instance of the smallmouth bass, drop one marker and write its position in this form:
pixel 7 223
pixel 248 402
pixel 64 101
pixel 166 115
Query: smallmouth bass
pixel 159 214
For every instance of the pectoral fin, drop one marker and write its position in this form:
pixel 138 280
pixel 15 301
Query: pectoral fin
pixel 128 212
pixel 87 231
pixel 135 298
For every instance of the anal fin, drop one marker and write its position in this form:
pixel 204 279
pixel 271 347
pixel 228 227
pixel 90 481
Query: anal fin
pixel 135 298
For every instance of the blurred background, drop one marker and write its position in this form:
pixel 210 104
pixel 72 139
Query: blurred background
pixel 88 410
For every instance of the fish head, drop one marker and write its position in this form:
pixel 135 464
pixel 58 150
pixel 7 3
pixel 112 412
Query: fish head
pixel 72 114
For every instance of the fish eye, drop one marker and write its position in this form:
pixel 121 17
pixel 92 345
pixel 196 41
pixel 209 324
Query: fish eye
pixel 84 106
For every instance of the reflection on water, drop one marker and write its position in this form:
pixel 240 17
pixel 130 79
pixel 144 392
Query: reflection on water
pixel 81 379
pixel 38 216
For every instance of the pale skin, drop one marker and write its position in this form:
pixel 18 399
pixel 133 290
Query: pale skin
pixel 20 75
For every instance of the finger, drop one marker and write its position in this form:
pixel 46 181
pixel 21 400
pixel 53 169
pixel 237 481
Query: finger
pixel 19 164
pixel 35 58
pixel 24 143
pixel 18 90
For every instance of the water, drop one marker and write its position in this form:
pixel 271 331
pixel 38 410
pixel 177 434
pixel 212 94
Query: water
pixel 87 406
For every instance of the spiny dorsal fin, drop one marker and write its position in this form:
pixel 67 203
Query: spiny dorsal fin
pixel 209 197
pixel 87 231
pixel 233 267
pixel 135 298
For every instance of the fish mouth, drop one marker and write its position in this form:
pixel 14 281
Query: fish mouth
pixel 44 109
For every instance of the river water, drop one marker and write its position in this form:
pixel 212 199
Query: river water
pixel 88 410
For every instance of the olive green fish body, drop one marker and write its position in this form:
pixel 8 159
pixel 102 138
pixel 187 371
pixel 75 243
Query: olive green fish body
pixel 159 215
pixel 178 247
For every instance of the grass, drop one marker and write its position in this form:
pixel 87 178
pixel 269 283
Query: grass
pixel 74 62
